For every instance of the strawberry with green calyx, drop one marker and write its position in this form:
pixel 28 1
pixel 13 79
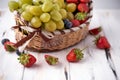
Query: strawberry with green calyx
pixel 95 31
pixel 9 46
pixel 27 60
pixel 102 42
pixel 51 60
pixel 74 55
pixel 80 16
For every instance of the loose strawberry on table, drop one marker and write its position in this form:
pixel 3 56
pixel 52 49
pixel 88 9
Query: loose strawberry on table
pixel 27 60
pixel 9 46
pixel 95 31
pixel 74 55
pixel 51 60
pixel 102 42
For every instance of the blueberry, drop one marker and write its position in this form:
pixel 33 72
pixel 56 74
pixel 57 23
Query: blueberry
pixel 18 52
pixel 65 21
pixel 4 40
pixel 68 25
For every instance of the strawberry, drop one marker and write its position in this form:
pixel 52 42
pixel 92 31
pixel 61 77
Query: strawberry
pixel 80 16
pixel 84 1
pixel 72 1
pixel 102 42
pixel 51 60
pixel 95 31
pixel 74 55
pixel 9 46
pixel 75 22
pixel 82 7
pixel 27 60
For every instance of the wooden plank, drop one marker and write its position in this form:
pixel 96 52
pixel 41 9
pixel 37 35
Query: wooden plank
pixel 43 71
pixel 10 69
pixel 111 30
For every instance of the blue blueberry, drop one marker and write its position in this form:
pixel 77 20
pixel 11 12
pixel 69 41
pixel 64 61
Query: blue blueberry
pixel 68 25
pixel 65 21
pixel 18 52
pixel 4 40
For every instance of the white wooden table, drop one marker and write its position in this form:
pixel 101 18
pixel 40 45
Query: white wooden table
pixel 96 64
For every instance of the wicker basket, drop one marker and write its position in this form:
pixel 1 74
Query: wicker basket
pixel 50 41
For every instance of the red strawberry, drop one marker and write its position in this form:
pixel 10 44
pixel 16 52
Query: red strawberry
pixel 51 59
pixel 95 31
pixel 9 46
pixel 72 1
pixel 82 7
pixel 74 55
pixel 75 22
pixel 84 1
pixel 27 60
pixel 102 42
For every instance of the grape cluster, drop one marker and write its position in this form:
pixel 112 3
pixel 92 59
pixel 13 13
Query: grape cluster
pixel 49 14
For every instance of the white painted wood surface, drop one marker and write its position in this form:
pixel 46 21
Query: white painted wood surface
pixel 94 65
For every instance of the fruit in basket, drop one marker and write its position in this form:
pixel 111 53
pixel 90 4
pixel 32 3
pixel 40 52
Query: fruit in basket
pixel 71 7
pixel 60 24
pixel 13 5
pixel 55 15
pixel 47 6
pixel 27 60
pixel 74 55
pixel 35 22
pixel 51 60
pixel 75 23
pixel 50 26
pixel 82 7
pixel 21 2
pixel 72 1
pixel 84 1
pixel 35 10
pixel 63 13
pixel 27 15
pixel 45 17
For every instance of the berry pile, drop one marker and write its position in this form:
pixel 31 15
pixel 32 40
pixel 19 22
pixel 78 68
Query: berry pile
pixel 52 15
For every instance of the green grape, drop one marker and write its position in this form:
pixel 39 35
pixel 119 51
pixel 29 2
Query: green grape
pixel 45 17
pixel 35 22
pixel 55 15
pixel 13 5
pixel 20 10
pixel 27 15
pixel 70 15
pixel 36 3
pixel 56 7
pixel 50 26
pixel 60 24
pixel 35 10
pixel 27 8
pixel 60 3
pixel 63 12
pixel 24 6
pixel 71 7
pixel 21 2
pixel 47 6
